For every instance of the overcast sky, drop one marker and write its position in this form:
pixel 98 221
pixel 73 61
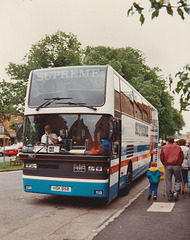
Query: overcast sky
pixel 164 41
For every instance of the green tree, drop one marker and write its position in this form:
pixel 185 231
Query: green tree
pixel 178 120
pixel 150 85
pixel 170 119
pixel 130 64
pixel 59 49
pixel 154 89
pixel 126 61
pixel 181 7
pixel 183 87
pixel 12 96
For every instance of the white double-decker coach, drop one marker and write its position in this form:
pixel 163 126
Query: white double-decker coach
pixel 105 133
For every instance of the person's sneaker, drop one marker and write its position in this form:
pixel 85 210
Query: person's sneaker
pixel 149 196
pixel 175 197
pixel 155 198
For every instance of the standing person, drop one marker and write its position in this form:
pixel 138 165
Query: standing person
pixel 186 162
pixel 153 174
pixel 172 157
pixel 49 137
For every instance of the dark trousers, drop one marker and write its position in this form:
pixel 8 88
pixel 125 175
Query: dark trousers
pixel 153 188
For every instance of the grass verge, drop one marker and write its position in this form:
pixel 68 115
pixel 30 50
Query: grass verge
pixel 8 167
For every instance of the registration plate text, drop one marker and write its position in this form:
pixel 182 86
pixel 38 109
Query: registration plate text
pixel 61 188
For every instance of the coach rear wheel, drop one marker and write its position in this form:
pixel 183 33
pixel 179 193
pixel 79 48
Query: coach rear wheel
pixel 151 159
pixel 126 190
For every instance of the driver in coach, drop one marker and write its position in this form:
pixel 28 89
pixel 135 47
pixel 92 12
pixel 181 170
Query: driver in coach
pixel 49 137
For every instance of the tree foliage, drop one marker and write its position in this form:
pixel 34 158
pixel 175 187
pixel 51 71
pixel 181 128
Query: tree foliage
pixel 183 87
pixel 170 119
pixel 126 61
pixel 130 63
pixel 182 7
pixel 61 49
pixel 12 96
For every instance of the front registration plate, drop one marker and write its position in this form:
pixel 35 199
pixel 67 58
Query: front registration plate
pixel 61 188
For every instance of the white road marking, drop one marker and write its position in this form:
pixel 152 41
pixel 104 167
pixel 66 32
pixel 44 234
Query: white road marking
pixel 161 207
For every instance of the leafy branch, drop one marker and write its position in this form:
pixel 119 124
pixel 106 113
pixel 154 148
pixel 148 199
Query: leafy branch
pixel 183 87
pixel 183 6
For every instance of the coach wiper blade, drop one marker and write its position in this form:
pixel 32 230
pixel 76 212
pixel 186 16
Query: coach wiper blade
pixel 79 104
pixel 40 148
pixel 50 101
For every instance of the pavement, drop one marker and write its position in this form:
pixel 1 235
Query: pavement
pixel 163 221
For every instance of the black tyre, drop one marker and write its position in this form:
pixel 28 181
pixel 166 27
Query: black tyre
pixel 151 159
pixel 126 189
pixel 1 154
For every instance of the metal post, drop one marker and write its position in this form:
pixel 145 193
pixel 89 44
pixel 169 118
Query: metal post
pixel 3 151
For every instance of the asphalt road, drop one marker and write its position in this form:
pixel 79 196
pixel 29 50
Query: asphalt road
pixel 31 216
pixel 137 222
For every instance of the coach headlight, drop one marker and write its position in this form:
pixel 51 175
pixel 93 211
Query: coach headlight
pixel 95 168
pixel 91 168
pixel 99 169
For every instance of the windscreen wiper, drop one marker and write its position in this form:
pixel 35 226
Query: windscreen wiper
pixel 49 101
pixel 40 148
pixel 79 104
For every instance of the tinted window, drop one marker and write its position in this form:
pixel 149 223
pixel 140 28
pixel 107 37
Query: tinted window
pixel 138 107
pixel 127 99
pixel 116 93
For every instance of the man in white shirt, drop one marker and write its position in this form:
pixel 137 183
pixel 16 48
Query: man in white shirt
pixel 48 137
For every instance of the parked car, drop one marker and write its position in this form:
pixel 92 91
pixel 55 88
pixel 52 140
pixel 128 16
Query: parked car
pixel 2 150
pixel 11 150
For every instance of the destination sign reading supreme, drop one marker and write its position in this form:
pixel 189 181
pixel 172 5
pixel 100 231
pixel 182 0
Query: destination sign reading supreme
pixel 73 73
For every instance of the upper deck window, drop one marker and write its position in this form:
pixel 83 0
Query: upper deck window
pixel 117 93
pixel 81 84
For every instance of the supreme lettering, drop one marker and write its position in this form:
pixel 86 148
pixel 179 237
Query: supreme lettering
pixel 73 73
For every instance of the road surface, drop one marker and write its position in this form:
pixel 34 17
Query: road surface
pixel 31 216
pixel 151 220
